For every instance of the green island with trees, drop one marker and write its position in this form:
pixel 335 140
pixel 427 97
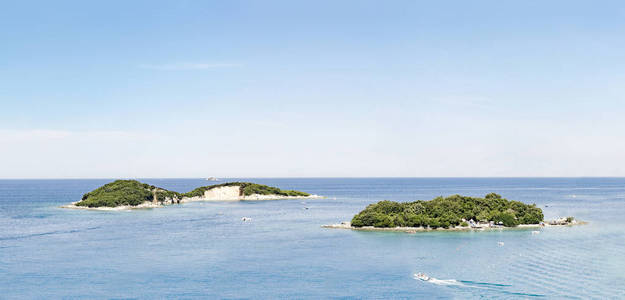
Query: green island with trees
pixel 448 212
pixel 247 189
pixel 133 193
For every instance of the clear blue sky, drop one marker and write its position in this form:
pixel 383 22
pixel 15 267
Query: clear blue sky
pixel 317 88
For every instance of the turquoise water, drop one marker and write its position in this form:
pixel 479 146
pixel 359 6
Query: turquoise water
pixel 203 250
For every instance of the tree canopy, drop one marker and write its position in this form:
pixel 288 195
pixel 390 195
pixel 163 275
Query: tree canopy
pixel 247 189
pixel 448 212
pixel 118 193
pixel 133 193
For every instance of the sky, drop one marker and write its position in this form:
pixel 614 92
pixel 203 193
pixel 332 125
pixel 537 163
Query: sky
pixel 124 89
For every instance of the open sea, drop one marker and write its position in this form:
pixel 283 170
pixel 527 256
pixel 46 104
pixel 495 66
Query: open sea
pixel 203 249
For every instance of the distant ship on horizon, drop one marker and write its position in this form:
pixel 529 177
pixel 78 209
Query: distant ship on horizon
pixel 212 179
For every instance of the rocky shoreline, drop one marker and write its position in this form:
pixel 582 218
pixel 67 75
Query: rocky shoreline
pixel 144 205
pixel 553 223
pixel 149 205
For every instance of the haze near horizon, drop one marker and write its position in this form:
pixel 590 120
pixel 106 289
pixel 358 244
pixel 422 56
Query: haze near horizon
pixel 311 89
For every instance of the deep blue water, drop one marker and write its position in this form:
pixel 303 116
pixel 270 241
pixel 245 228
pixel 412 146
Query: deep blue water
pixel 204 250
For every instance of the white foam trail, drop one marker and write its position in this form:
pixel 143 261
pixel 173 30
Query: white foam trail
pixel 441 281
pixel 444 281
pixel 493 287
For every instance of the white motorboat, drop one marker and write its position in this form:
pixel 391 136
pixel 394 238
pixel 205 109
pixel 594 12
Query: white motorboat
pixel 422 276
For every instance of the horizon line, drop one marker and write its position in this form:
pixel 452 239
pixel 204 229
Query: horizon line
pixel 329 177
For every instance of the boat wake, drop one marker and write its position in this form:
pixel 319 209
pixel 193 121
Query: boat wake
pixel 468 282
pixel 433 280
pixel 444 281
pixel 497 288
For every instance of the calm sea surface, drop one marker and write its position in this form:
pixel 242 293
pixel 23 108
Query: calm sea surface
pixel 204 250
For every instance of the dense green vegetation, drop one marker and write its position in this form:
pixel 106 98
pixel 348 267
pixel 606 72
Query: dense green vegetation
pixel 162 195
pixel 247 188
pixel 448 212
pixel 117 193
pixel 133 193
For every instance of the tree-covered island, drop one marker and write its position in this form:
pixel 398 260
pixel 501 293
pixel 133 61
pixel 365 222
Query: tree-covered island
pixel 132 193
pixel 449 212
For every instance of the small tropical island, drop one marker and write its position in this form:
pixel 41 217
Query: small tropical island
pixel 128 194
pixel 450 213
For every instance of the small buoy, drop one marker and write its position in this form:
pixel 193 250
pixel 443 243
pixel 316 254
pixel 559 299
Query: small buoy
pixel 500 243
